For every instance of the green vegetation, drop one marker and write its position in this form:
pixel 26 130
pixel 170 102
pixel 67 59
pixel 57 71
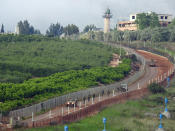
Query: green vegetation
pixel 166 48
pixel 71 29
pixel 54 30
pixel 25 38
pixel 145 20
pixel 26 29
pixel 13 96
pixel 20 61
pixel 157 34
pixel 172 23
pixel 138 115
pixel 2 29
pixel 89 28
pixel 156 88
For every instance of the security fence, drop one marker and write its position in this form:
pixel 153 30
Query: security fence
pixel 85 111
pixel 149 49
pixel 80 95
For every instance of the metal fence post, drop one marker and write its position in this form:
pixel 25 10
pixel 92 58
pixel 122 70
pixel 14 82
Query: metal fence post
pixel 74 107
pixel 99 98
pixel 62 111
pixel 68 109
pixel 80 106
pixel 32 117
pixel 138 86
pixel 50 114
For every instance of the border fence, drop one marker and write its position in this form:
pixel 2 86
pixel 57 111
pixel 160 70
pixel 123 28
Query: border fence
pixel 90 109
pixel 85 94
pixel 85 111
pixel 60 100
pixel 94 107
pixel 80 95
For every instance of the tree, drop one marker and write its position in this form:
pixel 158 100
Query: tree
pixel 107 37
pixel 55 30
pixel 155 36
pixel 99 36
pixel 130 35
pixel 2 29
pixel 89 28
pixel 117 36
pixel 172 35
pixel 71 29
pixel 172 23
pixel 91 35
pixel 145 35
pixel 145 20
pixel 26 29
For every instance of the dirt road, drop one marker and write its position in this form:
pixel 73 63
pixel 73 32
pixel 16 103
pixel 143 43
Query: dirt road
pixel 152 74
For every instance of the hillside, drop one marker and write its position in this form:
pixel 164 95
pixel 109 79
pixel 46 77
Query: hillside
pixel 15 96
pixel 20 61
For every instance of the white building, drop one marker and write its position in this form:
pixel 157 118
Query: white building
pixel 164 19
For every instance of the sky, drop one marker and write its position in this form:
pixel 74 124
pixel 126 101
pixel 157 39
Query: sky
pixel 41 13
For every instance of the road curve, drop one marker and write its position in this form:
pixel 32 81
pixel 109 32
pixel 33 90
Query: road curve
pixel 151 74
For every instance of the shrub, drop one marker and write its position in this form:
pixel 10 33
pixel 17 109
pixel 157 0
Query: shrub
pixel 156 88
pixel 13 96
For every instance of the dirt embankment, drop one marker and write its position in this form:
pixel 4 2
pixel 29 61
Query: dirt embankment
pixel 115 61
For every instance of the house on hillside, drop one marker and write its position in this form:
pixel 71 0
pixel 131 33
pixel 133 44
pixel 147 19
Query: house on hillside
pixel 164 19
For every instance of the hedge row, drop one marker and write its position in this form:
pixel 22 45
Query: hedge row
pixel 13 96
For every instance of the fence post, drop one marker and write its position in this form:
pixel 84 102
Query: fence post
pixel 68 109
pixel 62 111
pixel 74 107
pixel 85 103
pixel 164 75
pixel 92 100
pixel 11 121
pixel 18 118
pixel 168 73
pixel 113 93
pixel 50 114
pixel 138 86
pixel 80 106
pixel 99 98
pixel 161 78
pixel 32 117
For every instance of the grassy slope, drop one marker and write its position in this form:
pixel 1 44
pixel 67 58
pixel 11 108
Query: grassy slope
pixel 22 60
pixel 129 116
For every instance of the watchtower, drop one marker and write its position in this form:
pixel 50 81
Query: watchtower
pixel 107 16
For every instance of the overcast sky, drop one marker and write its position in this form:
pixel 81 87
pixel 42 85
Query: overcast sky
pixel 40 13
